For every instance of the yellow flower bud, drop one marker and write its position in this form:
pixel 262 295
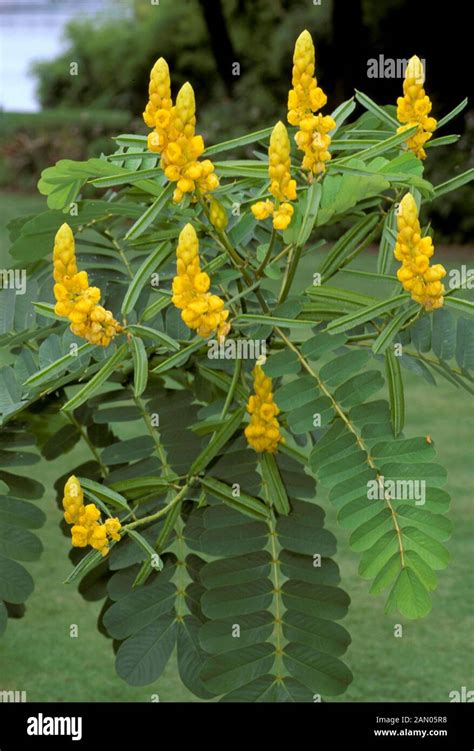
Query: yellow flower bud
pixel 414 107
pixel 217 215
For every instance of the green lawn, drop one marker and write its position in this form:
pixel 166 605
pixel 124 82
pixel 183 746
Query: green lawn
pixel 433 657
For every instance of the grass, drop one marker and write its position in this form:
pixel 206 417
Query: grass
pixel 432 658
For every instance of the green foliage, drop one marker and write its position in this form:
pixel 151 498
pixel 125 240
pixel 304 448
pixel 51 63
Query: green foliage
pixel 224 554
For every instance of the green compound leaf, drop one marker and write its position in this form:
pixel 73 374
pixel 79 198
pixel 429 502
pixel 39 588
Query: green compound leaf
pixel 240 501
pixel 248 652
pixel 16 584
pixel 149 216
pixel 274 489
pixel 97 380
pixel 153 262
pixel 395 391
pixel 376 110
pixel 142 658
pixel 313 198
pixel 95 490
pixel 140 365
pixel 219 439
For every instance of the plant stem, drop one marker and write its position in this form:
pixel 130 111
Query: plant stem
pixel 277 629
pixel 290 273
pixel 233 386
pixel 120 251
pixel 268 255
pixel 236 259
pixel 153 433
pixel 158 514
pixel 87 440
pixel 340 412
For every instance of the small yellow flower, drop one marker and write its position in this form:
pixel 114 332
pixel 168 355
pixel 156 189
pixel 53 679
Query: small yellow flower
pixel 413 108
pixel 113 527
pixel 263 431
pixel 415 274
pixel 98 539
pixel 262 209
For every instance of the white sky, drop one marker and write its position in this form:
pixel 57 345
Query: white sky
pixel 29 35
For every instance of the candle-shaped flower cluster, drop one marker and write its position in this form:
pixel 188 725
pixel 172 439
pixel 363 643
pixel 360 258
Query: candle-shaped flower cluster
pixel 414 107
pixel 263 431
pixel 174 135
pixel 75 299
pixel 282 187
pixel 304 100
pixel 416 275
pixel 201 310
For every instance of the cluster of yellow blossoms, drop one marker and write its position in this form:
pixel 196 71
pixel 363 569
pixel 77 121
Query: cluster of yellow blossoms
pixel 174 135
pixel 414 107
pixel 75 299
pixel 414 251
pixel 263 431
pixel 281 184
pixel 201 310
pixel 87 528
pixel 304 99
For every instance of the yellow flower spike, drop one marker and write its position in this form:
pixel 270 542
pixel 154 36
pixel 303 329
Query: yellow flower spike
pixel 173 135
pixel 175 139
pixel 413 108
pixel 64 254
pixel 305 96
pixel 282 187
pixel 304 99
pixel 200 310
pixel 158 112
pixel 263 431
pixel 75 299
pixel 281 184
pixel 415 273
